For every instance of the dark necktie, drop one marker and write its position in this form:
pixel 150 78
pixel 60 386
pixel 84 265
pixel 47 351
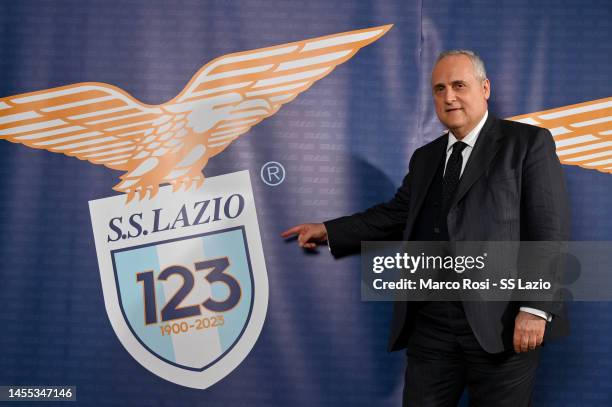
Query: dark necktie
pixel 452 174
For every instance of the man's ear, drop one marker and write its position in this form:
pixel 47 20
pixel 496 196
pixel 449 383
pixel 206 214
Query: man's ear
pixel 486 85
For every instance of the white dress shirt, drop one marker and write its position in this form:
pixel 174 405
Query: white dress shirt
pixel 469 139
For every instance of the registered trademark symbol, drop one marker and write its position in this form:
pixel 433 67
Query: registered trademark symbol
pixel 272 173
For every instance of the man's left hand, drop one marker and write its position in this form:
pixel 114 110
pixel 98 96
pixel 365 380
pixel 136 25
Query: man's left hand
pixel 528 331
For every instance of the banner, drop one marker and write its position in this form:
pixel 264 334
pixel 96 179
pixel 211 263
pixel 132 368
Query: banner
pixel 151 153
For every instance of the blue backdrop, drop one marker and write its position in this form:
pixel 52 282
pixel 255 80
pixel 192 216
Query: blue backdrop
pixel 345 145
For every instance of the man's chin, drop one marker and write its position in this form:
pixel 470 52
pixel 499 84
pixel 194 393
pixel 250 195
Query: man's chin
pixel 454 125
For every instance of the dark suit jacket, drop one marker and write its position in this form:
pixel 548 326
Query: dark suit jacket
pixel 512 189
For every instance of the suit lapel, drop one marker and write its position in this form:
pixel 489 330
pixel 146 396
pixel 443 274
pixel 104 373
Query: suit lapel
pixel 486 146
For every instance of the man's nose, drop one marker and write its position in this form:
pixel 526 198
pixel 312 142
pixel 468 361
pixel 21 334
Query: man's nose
pixel 449 96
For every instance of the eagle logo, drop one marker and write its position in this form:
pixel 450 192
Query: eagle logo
pixel 172 142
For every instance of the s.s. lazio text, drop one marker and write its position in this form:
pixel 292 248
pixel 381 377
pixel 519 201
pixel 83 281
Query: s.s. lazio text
pixel 159 219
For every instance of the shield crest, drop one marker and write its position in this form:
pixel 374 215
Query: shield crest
pixel 187 298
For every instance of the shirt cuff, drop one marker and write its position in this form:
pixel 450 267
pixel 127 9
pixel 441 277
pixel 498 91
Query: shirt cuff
pixel 542 314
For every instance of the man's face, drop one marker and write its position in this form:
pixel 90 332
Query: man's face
pixel 460 97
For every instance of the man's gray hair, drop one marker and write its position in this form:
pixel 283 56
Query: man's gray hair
pixel 479 68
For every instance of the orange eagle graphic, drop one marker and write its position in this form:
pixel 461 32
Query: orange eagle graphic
pixel 172 142
pixel 582 132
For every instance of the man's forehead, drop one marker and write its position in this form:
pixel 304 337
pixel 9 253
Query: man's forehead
pixel 453 68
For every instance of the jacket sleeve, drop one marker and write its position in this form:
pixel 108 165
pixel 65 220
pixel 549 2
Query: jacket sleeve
pixel 385 221
pixel 544 214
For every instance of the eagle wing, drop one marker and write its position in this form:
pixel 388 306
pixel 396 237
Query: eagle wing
pixel 582 132
pixel 242 89
pixel 91 121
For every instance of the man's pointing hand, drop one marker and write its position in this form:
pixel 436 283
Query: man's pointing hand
pixel 309 234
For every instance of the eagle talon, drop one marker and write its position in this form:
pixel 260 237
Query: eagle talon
pixel 188 183
pixel 138 191
pixel 130 195
pixel 154 191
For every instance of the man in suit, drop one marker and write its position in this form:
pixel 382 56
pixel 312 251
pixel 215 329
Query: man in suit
pixel 484 179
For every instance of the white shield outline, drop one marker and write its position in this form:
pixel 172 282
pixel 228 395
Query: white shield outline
pixel 104 209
